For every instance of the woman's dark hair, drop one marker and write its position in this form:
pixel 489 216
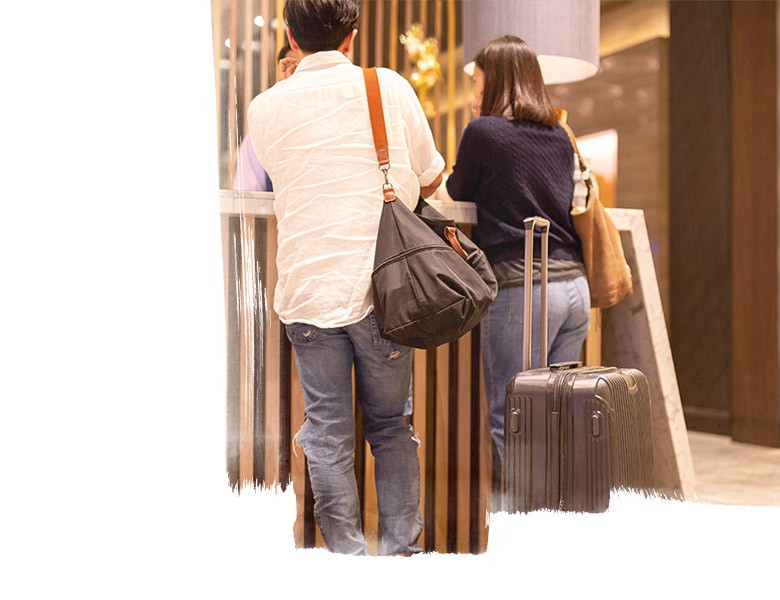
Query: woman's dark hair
pixel 514 87
pixel 319 25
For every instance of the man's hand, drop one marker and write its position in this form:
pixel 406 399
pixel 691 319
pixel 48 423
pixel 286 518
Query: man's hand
pixel 287 67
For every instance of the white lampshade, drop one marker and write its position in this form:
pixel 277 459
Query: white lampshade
pixel 564 33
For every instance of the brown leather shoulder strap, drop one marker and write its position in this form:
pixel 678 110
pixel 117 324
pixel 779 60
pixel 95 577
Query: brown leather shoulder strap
pixel 377 116
pixel 562 115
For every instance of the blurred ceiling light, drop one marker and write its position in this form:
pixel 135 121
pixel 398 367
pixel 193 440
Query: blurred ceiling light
pixel 259 20
pixel 227 43
pixel 563 33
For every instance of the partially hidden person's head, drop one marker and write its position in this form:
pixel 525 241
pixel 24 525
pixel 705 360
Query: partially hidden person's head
pixel 286 52
pixel 508 83
pixel 320 25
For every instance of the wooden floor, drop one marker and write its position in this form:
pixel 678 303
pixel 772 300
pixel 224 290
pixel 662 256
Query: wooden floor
pixel 729 472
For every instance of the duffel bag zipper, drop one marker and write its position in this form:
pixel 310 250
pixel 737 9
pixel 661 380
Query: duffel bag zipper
pixel 411 251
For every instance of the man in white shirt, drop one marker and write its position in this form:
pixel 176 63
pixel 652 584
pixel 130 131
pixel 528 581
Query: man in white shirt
pixel 312 133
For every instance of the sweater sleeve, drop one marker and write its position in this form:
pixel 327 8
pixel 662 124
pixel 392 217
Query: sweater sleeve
pixel 463 182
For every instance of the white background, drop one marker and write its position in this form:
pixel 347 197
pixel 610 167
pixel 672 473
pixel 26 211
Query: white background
pixel 112 373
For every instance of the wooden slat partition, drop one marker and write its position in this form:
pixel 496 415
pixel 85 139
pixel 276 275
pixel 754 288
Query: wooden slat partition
pixel 264 398
pixel 449 416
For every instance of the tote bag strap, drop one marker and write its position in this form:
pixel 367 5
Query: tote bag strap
pixel 562 114
pixel 378 128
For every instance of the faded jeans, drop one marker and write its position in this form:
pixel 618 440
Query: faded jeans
pixel 568 310
pixel 383 371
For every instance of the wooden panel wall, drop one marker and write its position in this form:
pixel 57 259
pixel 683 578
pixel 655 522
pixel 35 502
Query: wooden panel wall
pixel 699 210
pixel 755 390
pixel 724 216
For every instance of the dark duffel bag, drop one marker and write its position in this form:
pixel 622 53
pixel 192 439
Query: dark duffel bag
pixel 431 284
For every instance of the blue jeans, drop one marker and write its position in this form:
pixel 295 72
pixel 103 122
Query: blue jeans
pixel 568 309
pixel 383 372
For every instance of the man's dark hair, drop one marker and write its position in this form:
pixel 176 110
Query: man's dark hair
pixel 319 25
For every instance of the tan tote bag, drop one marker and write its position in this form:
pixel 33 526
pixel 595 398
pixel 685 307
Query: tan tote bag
pixel 609 276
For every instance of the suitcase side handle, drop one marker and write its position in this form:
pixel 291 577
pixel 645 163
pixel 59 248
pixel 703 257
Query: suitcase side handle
pixel 530 225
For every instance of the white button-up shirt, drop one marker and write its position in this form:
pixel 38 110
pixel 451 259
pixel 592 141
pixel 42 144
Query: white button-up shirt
pixel 312 134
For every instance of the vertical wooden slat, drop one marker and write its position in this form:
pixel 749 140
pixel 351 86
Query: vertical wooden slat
pixel 247 363
pixel 231 103
pixel 463 454
pixel 451 82
pixel 249 63
pixel 485 464
pixel 475 439
pixel 232 256
pixel 424 17
pixel 266 50
pixel 217 37
pixel 272 384
pixel 393 44
pixel 259 346
pixel 407 71
pixel 364 34
pixel 442 447
pixel 371 529
pixel 418 423
pixel 280 34
pixel 379 29
pixel 452 446
pixel 592 349
pixel 437 29
pixel 285 408
pixel 429 515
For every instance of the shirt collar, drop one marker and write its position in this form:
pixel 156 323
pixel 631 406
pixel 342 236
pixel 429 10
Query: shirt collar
pixel 322 60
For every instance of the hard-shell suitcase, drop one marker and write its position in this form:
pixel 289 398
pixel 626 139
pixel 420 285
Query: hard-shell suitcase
pixel 571 433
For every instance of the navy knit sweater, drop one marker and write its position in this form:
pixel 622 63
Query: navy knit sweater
pixel 513 170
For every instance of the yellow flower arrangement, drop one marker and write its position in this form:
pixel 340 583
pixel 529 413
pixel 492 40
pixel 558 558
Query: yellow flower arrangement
pixel 423 53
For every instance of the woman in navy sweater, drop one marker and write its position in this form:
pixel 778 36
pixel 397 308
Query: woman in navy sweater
pixel 515 161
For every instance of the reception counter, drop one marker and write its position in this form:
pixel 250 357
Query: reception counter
pixel 265 403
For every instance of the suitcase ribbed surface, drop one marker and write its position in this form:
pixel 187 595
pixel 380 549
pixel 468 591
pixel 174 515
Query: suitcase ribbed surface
pixel 632 440
pixel 573 435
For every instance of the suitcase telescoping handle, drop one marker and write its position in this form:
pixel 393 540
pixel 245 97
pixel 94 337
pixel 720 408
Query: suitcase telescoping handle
pixel 544 225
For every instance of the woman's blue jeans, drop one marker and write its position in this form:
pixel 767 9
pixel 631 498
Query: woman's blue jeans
pixel 568 306
pixel 383 371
